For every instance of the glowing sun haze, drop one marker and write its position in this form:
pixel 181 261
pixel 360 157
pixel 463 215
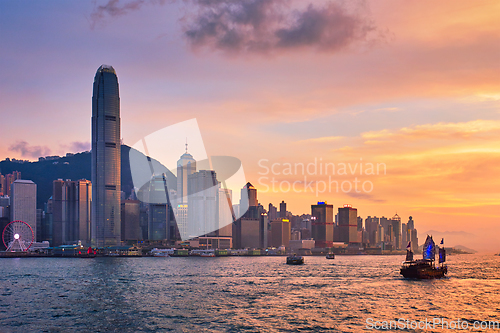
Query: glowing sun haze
pixel 413 85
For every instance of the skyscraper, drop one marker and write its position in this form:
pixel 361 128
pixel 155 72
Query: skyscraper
pixel 371 226
pixel 225 214
pixel 248 233
pixel 283 209
pixel 23 203
pixel 411 223
pixel 3 190
pixel 203 203
pixel 272 212
pixel 348 224
pixel 396 228
pixel 159 208
pixel 71 202
pixel 322 224
pixel 7 180
pixel 280 233
pixel 404 235
pixel 130 214
pixel 186 166
pixel 106 155
pixel 249 205
pixel 360 223
pixel 414 239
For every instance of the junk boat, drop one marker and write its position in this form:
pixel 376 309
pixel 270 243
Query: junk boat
pixel 425 268
pixel 330 255
pixel 294 260
pixel 90 253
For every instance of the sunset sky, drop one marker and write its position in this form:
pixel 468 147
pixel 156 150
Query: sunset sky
pixel 412 85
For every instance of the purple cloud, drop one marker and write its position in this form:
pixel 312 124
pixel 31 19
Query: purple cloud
pixel 77 146
pixel 272 25
pixel 29 151
pixel 262 26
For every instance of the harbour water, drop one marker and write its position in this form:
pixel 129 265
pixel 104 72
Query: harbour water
pixel 239 294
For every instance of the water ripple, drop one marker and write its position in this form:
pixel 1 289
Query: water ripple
pixel 237 294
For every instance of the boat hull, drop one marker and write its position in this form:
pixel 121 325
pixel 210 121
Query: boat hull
pixel 295 261
pixel 424 273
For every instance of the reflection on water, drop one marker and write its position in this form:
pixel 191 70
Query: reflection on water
pixel 236 294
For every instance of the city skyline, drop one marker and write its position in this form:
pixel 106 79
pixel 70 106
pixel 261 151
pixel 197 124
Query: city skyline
pixel 418 98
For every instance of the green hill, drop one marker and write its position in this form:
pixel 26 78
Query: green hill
pixel 74 167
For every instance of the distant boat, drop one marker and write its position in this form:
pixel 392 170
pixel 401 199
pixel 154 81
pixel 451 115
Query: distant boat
pixel 207 254
pixel 90 253
pixel 161 252
pixel 330 255
pixel 294 260
pixel 425 268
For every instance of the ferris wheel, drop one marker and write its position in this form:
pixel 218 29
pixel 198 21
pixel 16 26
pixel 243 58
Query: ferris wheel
pixel 17 236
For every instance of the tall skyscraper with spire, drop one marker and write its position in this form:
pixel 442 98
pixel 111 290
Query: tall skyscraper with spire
pixel 106 156
pixel 186 166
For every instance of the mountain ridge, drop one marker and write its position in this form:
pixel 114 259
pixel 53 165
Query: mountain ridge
pixel 72 166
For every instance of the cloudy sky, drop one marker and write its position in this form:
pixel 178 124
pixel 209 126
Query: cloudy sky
pixel 412 86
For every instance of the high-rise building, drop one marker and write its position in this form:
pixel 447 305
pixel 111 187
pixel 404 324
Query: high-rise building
pixel 39 215
pixel 7 180
pixel 106 159
pixel 5 206
pixel 396 228
pixel 250 234
pixel 414 239
pixel 4 216
pixel 249 205
pixel 404 235
pixel 157 222
pixel 186 166
pixel 280 233
pixel 390 237
pixel 379 235
pixel 47 222
pixel 3 190
pixel 225 214
pixel 130 215
pixel 158 210
pixel 252 195
pixel 144 219
pixel 23 203
pixel 283 209
pixel 348 224
pixel 203 194
pixel 371 226
pixel 222 238
pixel 83 214
pixel 322 224
pixel 71 204
pixel 411 223
pixel 384 222
pixel 272 212
pixel 360 223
